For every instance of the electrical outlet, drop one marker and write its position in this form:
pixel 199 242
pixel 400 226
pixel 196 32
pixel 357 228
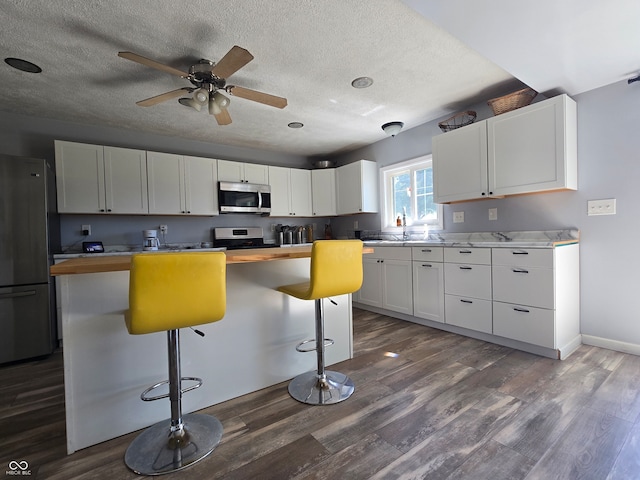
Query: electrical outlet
pixel 163 229
pixel 493 214
pixel 86 230
pixel 355 224
pixel 601 207
pixel 458 217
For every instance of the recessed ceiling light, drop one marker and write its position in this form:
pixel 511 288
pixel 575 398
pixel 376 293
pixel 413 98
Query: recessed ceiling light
pixel 295 125
pixel 362 82
pixel 23 65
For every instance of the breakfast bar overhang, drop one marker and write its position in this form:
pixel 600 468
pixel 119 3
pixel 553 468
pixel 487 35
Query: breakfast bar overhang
pixel 252 347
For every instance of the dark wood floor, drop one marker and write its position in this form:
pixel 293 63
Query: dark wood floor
pixel 428 404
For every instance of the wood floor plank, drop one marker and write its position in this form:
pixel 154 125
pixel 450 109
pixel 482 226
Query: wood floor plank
pixel 586 451
pixel 627 465
pixel 619 394
pixel 493 461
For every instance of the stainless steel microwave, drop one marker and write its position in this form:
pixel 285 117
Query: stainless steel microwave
pixel 244 198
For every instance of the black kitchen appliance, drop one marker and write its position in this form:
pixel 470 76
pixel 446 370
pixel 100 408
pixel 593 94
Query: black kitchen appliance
pixel 236 238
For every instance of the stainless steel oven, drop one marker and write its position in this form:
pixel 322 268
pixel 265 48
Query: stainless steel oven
pixel 244 198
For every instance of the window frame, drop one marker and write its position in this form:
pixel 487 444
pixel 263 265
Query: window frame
pixel 386 196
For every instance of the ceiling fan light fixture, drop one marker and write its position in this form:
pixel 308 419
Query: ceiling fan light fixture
pixel 201 96
pixel 392 128
pixel 220 100
pixel 189 102
pixel 214 108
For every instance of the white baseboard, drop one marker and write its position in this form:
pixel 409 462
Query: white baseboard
pixel 611 344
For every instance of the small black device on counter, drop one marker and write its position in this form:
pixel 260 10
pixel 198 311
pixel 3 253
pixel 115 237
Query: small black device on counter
pixel 92 247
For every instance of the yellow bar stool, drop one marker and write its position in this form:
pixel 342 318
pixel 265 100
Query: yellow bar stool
pixel 169 291
pixel 336 269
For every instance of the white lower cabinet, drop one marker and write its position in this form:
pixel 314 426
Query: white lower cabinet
pixel 428 283
pixel 387 279
pixel 467 288
pixel 531 296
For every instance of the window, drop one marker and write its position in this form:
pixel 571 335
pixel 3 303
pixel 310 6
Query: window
pixel 407 188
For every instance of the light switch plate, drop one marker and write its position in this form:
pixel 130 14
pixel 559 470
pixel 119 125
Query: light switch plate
pixel 458 217
pixel 601 207
pixel 493 214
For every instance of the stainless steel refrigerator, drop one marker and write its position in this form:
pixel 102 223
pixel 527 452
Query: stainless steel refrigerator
pixel 27 226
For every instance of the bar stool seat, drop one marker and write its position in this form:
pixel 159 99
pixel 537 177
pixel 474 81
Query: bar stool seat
pixel 336 269
pixel 169 291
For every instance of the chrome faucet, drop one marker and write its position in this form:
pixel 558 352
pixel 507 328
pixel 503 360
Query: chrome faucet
pixel 405 235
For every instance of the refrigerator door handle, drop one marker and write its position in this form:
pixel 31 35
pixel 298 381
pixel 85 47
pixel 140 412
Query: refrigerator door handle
pixel 17 294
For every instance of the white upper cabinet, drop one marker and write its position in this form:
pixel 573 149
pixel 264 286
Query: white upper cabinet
pixel 98 179
pixel 229 171
pixel 182 185
pixel 323 189
pixel 357 187
pixel 290 192
pixel 528 150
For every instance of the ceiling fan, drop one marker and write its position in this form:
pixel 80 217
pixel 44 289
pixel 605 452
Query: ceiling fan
pixel 208 79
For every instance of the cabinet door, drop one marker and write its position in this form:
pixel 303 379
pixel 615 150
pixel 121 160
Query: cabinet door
pixel 531 149
pixel 80 177
pixel 460 164
pixel 126 180
pixel 469 313
pixel 428 290
pixel 349 188
pixel 229 171
pixel 279 180
pixel 300 189
pixel 371 290
pixel 323 188
pixel 166 183
pixel 397 286
pixel 201 179
pixel 256 173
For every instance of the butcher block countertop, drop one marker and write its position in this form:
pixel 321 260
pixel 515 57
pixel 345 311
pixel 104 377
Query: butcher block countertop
pixel 116 263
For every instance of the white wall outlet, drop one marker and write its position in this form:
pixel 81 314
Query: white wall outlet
pixel 493 214
pixel 164 229
pixel 86 230
pixel 458 217
pixel 601 207
pixel 355 224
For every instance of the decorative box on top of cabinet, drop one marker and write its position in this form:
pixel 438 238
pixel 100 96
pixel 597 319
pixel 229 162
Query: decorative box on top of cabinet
pixel 531 149
pixel 96 179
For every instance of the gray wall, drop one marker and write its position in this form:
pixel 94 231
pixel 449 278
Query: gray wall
pixel 608 167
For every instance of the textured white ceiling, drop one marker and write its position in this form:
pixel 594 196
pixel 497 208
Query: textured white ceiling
pixel 308 51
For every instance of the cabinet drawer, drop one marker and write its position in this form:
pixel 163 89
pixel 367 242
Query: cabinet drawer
pixel 527 286
pixel 478 256
pixel 467 280
pixel 468 313
pixel 523 257
pixel 391 253
pixel 526 324
pixel 429 254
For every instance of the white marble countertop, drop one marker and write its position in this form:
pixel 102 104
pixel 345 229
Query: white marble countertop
pixel 531 239
pixel 120 250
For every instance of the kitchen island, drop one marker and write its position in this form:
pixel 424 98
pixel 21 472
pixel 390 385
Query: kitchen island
pixel 251 348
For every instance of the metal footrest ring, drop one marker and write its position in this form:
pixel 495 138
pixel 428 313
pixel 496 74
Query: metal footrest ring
pixel 144 397
pixel 327 343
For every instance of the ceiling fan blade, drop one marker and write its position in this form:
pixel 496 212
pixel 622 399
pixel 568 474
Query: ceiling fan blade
pixel 256 96
pixel 152 63
pixel 234 60
pixel 223 118
pixel 163 97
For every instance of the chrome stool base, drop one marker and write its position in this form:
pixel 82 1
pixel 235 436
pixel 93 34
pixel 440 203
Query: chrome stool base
pixel 313 389
pixel 158 450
